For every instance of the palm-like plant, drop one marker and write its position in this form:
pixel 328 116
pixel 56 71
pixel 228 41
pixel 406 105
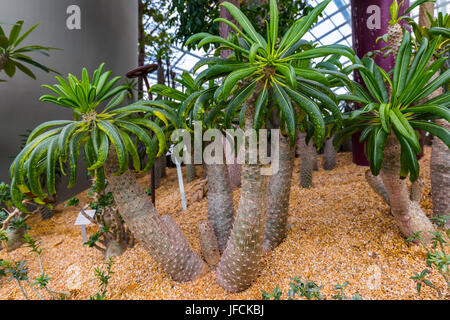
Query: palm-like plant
pixel 106 138
pixel 392 113
pixel 257 69
pixel 13 57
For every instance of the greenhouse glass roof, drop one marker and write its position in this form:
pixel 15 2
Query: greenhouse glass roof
pixel 333 28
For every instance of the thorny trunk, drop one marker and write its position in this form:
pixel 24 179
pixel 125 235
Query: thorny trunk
pixel 278 197
pixel 160 235
pixel 15 238
pixel 440 153
pixel 234 172
pixel 314 155
pixel 240 262
pixel 115 248
pixel 159 164
pixel 208 243
pixel 440 174
pixel 377 185
pixel 306 161
pixel 404 208
pixel 220 202
pixel 329 155
pixel 440 169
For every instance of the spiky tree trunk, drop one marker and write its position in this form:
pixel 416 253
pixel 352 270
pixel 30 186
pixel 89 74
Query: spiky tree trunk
pixel 240 262
pixel 234 172
pixel 404 208
pixel 220 203
pixel 208 243
pixel 377 185
pixel 160 235
pixel 278 197
pixel 440 174
pixel 329 155
pixel 306 161
pixel 160 165
pixel 314 155
pixel 15 238
pixel 440 153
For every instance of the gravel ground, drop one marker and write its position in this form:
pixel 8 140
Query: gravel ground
pixel 340 230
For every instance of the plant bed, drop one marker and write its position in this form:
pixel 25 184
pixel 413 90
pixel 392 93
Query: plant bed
pixel 353 238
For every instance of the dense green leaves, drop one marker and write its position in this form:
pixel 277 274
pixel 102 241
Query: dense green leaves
pixel 404 112
pixel 273 73
pixel 114 130
pixel 15 56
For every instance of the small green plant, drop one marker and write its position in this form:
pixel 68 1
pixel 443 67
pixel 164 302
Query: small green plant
pixel 274 295
pixel 112 237
pixel 18 271
pixel 340 292
pixel 308 290
pixel 103 276
pixel 436 259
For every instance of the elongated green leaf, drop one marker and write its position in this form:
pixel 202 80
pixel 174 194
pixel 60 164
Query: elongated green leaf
pixel 313 112
pixel 155 129
pixel 288 111
pixel 233 79
pixel 114 136
pixel 403 127
pixel 384 112
pixel 132 150
pixel 52 155
pixel 289 73
pixel 74 151
pixel 438 110
pixel 237 102
pixel 102 151
pixel 260 108
pixel 144 137
pixel 436 130
pixel 243 21
pixel 274 20
pixel 303 26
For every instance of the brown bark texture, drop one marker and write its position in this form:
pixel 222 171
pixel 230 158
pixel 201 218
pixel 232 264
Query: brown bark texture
pixel 306 161
pixel 408 214
pixel 278 197
pixel 241 260
pixel 159 235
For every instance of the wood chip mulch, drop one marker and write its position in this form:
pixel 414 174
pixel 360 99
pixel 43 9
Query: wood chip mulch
pixel 340 230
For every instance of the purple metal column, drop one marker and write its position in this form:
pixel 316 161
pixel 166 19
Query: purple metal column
pixel 370 20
